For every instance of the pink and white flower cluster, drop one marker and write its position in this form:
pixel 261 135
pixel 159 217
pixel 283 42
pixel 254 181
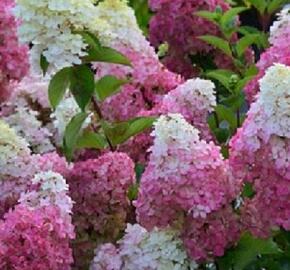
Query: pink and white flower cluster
pixel 36 234
pixel 260 154
pixel 186 185
pixel 144 250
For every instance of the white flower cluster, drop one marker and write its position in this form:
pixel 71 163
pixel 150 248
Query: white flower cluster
pixel 143 250
pixel 281 25
pixel 120 26
pixel 49 26
pixel 52 190
pixel 274 99
pixel 33 88
pixel 14 154
pixel 24 121
pixel 172 131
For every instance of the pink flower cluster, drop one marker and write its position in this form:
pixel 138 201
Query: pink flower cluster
pixel 13 56
pixel 35 239
pixel 260 154
pixel 99 188
pixel 186 178
pixel 176 24
pixel 279 52
pixel 210 237
pixel 36 234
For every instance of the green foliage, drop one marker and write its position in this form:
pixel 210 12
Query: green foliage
pixel 72 133
pixel 248 191
pixel 248 250
pixel 97 53
pixel 92 140
pixel 266 6
pixel 43 64
pixel 142 13
pixel 82 85
pixel 108 86
pixel 223 76
pixel 118 133
pixel 58 86
pixel 217 42
pixel 230 111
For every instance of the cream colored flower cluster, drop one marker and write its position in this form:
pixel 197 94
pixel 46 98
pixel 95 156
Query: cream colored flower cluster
pixel 274 98
pixel 49 26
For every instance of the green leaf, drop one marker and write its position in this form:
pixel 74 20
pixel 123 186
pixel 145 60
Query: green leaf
pixel 234 101
pixel 242 83
pixel 251 71
pixel 221 75
pixel 228 20
pixel 108 86
pixel 43 64
pixel 262 38
pixel 82 85
pixel 133 192
pixel 210 16
pixel 274 5
pixel 98 53
pixel 222 135
pixel 260 5
pixel 72 133
pixel 58 86
pixel 230 15
pixel 226 114
pixel 217 42
pixel 245 42
pixel 110 55
pixel 248 191
pixel 142 12
pixel 119 133
pixel 246 252
pixel 91 140
pixel 139 170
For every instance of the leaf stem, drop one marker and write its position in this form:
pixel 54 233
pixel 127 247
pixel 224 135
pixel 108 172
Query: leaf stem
pixel 101 117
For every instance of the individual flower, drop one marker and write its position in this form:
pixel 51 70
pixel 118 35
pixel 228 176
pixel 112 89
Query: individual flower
pixel 99 189
pixel 184 176
pixel 260 154
pixel 140 249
